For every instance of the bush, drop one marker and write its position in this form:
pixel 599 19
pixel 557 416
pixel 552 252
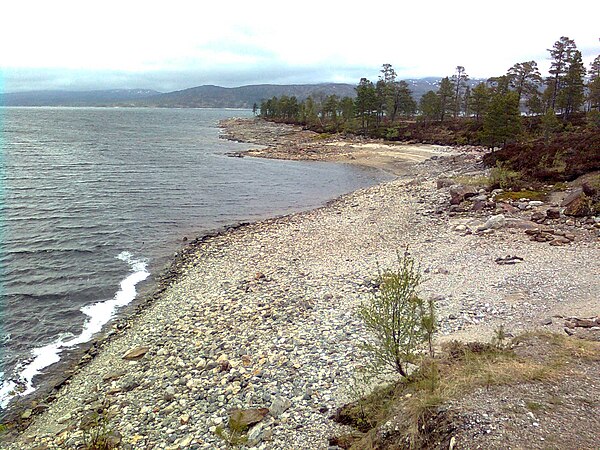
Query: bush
pixel 399 321
pixel 593 120
pixel 504 177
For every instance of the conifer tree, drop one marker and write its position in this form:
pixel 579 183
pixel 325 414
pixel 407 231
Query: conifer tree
pixel 594 84
pixel 446 96
pixel 560 54
pixel 366 103
pixel 525 79
pixel 571 96
pixel 459 80
pixel 480 99
pixel 430 107
pixel 502 122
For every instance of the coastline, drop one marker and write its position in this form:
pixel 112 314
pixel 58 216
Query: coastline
pixel 284 289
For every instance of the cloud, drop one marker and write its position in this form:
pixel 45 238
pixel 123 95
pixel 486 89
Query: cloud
pixel 183 43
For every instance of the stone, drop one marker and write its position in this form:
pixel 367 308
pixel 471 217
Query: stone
pixel 577 204
pixel 114 375
pixel 279 406
pixel 507 208
pixel 26 414
pixel 64 419
pixel 241 419
pixel 559 240
pixel 538 217
pixel 458 193
pixel 493 223
pixel 136 353
pixel 553 213
pixel 479 205
pixel 255 434
pixel 444 182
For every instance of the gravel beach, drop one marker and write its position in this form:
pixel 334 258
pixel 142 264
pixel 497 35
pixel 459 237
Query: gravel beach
pixel 263 315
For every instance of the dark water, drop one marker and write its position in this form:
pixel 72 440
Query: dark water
pixel 93 200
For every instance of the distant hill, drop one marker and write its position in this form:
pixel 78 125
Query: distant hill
pixel 74 98
pixel 207 96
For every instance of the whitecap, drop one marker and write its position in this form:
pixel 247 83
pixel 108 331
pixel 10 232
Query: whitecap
pixel 98 314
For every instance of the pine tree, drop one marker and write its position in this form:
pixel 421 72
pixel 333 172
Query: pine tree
pixel 571 96
pixel 446 96
pixel 459 80
pixel 366 103
pixel 430 107
pixel 594 84
pixel 560 54
pixel 502 122
pixel 480 99
pixel 525 78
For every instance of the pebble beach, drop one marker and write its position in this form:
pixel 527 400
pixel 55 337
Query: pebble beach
pixel 263 317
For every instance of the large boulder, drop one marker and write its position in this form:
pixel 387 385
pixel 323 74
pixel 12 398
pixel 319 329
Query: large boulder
pixel 577 204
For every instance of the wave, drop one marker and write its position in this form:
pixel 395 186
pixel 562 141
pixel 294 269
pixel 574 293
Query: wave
pixel 98 314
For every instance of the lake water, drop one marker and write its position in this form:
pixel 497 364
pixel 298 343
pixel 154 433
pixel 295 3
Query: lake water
pixel 94 200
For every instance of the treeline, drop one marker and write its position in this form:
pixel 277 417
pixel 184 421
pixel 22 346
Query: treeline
pixel 494 109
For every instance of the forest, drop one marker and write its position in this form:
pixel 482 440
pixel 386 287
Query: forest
pixel 508 108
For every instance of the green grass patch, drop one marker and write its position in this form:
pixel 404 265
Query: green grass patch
pixel 518 195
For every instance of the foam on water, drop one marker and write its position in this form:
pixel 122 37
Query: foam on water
pixel 98 314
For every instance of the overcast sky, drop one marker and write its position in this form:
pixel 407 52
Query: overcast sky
pixel 169 45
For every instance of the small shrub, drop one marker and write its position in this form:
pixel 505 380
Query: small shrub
pixel 234 437
pixel 500 337
pixel 504 177
pixel 398 319
pixel 96 433
pixel 392 133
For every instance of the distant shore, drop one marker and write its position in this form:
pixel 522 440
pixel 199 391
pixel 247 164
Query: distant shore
pixel 262 315
pixel 293 143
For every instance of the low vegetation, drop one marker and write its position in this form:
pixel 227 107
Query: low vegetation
pixel 414 408
pixel 415 411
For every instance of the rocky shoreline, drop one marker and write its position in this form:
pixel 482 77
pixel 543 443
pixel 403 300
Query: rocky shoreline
pixel 261 318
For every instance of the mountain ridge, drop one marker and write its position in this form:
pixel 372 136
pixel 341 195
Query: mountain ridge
pixel 204 96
